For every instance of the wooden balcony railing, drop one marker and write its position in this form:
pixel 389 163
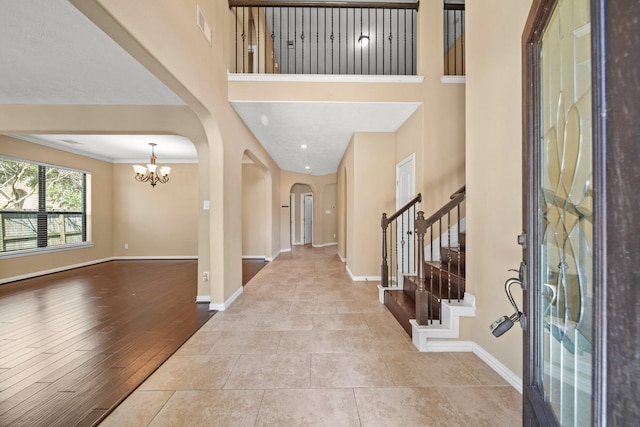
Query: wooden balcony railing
pixel 291 37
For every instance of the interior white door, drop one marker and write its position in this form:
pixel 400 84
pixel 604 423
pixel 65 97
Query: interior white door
pixel 308 218
pixel 405 242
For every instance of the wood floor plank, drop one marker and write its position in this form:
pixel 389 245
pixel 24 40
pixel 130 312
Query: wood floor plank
pixel 76 343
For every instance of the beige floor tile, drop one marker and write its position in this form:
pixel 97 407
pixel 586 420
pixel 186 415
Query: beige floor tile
pixel 232 321
pixel 495 406
pixel 246 342
pixel 339 322
pixel 480 370
pixel 415 369
pixel 220 408
pixel 138 409
pixel 191 373
pixel 349 370
pixel 200 343
pixel 311 342
pixel 381 321
pixel 360 306
pixel 312 407
pixel 368 341
pixel 405 407
pixel 303 345
pixel 312 307
pixel 286 322
pixel 258 306
pixel 267 371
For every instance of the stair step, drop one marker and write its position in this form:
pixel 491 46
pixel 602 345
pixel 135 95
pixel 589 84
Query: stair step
pixel 457 258
pixel 401 306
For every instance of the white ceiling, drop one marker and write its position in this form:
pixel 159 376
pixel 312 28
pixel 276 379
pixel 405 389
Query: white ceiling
pixel 50 53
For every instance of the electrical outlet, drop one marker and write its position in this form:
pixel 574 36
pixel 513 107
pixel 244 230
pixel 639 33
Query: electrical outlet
pixel 126 246
pixel 205 276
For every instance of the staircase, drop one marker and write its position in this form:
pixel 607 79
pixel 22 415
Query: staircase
pixel 443 282
pixel 430 301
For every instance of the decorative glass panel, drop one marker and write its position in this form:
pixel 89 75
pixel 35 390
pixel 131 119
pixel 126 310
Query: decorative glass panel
pixel 565 223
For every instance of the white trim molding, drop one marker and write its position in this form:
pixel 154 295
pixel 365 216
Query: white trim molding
pixel 227 303
pixel 324 245
pixel 146 257
pixel 323 78
pixel 53 270
pixel 362 278
pixel 450 326
pixel 203 299
pixel 453 79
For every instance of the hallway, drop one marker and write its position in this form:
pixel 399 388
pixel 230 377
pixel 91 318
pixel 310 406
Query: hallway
pixel 303 345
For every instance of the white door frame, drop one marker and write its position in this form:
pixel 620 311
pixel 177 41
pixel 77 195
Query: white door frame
pixel 406 168
pixel 292 218
pixel 303 202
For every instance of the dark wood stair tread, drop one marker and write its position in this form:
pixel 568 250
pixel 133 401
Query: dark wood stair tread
pixel 401 306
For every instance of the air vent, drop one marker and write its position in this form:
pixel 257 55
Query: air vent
pixel 202 24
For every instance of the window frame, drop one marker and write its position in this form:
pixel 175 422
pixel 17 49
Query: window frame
pixel 42 213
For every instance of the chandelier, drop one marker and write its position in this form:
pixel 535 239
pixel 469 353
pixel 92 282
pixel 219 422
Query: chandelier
pixel 152 173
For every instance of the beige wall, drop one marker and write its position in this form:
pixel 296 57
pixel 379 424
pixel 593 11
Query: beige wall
pixel 318 185
pixel 160 221
pixel 494 168
pixel 329 213
pixel 296 211
pixel 101 220
pixel 443 143
pixel 197 72
pixel 254 228
pixel 370 192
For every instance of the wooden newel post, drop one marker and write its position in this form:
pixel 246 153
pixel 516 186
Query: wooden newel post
pixel 384 268
pixel 422 303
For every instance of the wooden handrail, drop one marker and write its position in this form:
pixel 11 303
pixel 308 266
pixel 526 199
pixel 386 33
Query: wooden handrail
pixel 403 209
pixel 324 4
pixel 384 223
pixel 456 200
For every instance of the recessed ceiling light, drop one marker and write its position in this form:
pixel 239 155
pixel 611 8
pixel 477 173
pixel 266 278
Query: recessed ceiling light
pixel 303 146
pixel 307 167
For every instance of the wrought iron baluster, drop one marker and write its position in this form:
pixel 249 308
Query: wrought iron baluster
pixel 440 264
pixel 449 255
pixel 459 267
pixel 431 275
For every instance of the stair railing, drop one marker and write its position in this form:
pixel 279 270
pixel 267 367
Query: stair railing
pixel 403 256
pixel 324 37
pixel 424 301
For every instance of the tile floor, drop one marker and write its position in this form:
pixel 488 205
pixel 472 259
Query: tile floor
pixel 305 346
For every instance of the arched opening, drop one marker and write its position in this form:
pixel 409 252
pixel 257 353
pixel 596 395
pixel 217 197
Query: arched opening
pixel 301 202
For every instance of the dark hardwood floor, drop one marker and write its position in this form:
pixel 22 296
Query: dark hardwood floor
pixel 250 268
pixel 74 344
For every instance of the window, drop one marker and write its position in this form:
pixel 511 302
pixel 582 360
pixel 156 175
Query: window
pixel 454 38
pixel 42 207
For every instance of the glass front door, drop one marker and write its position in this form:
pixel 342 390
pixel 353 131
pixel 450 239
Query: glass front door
pixel 561 309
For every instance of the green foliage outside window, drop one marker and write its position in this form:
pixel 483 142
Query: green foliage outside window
pixel 40 206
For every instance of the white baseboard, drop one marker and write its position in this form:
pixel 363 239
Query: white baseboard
pixel 453 346
pixel 343 259
pixel 54 270
pixel 362 278
pixel 227 303
pixel 254 257
pixel 325 244
pixel 507 374
pixel 381 290
pixel 146 257
pixel 203 299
